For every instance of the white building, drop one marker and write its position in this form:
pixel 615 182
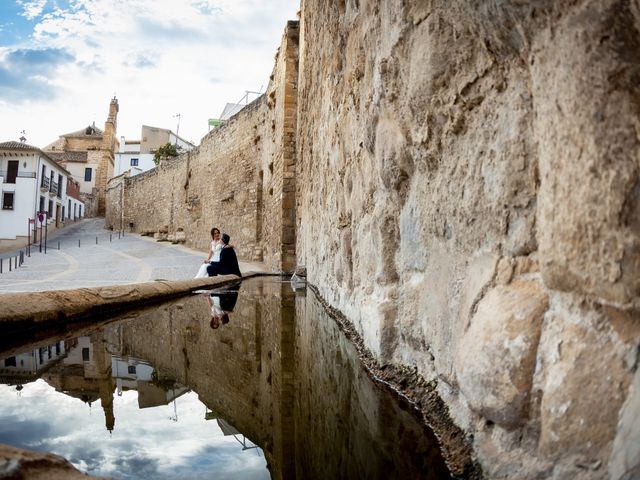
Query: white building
pixel 31 182
pixel 137 155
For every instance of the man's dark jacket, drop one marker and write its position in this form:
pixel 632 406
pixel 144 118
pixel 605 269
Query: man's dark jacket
pixel 228 264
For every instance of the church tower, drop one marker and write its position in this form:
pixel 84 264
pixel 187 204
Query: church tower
pixel 109 147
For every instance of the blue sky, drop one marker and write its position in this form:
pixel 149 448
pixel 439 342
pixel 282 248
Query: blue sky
pixel 61 61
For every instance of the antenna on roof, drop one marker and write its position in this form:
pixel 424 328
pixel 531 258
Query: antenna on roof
pixel 178 127
pixel 22 138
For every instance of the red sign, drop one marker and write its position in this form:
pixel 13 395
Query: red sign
pixel 41 217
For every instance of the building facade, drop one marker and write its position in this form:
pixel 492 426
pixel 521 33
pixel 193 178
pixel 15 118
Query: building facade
pixel 32 183
pixel 137 155
pixel 89 155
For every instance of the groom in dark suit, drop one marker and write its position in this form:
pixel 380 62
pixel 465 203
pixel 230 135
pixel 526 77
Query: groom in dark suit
pixel 228 264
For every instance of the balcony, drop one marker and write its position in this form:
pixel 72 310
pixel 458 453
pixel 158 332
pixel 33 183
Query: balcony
pixel 53 189
pixel 44 184
pixel 4 174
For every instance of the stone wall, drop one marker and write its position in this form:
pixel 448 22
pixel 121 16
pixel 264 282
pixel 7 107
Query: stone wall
pixel 466 184
pixel 240 179
pixel 467 194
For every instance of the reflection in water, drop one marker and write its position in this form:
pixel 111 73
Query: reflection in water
pixel 266 363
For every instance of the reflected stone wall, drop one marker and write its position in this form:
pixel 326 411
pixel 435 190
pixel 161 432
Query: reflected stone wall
pixel 282 374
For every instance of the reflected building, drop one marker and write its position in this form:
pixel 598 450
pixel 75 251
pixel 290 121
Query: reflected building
pixel 135 374
pixel 29 366
pixel 279 375
pixel 85 374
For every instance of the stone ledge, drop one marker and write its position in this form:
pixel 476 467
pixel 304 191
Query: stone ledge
pixel 19 463
pixel 27 310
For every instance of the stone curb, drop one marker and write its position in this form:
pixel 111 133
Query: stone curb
pixel 26 310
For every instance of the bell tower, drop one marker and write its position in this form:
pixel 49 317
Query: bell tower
pixel 109 146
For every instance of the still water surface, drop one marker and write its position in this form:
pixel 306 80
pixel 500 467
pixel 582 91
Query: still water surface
pixel 251 382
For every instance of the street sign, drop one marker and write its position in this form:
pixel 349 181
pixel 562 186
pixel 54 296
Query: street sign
pixel 41 217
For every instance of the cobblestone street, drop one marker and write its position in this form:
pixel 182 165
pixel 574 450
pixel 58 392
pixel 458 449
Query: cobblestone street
pixel 129 259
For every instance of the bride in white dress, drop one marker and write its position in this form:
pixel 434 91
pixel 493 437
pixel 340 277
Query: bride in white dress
pixel 214 253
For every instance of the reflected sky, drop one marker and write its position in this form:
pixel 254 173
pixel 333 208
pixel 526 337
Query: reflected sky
pixel 146 443
pixel 280 372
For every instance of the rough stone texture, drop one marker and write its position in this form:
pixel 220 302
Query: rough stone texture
pixel 16 463
pixel 497 355
pixel 448 151
pixel 586 97
pixel 625 458
pixel 240 179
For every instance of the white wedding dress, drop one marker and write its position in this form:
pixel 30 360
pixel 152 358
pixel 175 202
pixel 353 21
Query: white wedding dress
pixel 216 248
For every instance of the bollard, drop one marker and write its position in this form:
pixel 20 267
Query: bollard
pixel 58 244
pixel 96 240
pixel 110 237
pixel 9 263
pixel 118 234
pixel 1 259
pixel 78 243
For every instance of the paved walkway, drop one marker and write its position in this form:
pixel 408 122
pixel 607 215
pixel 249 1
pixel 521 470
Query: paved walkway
pixel 112 261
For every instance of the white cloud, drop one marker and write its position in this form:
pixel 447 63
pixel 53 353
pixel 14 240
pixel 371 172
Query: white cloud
pixel 32 9
pixel 143 441
pixel 157 56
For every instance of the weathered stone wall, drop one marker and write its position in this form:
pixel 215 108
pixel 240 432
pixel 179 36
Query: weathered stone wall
pixel 240 179
pixel 467 189
pixel 278 157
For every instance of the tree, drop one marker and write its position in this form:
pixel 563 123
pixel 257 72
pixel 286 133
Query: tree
pixel 165 151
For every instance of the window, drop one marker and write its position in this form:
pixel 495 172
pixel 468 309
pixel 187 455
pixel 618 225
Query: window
pixel 12 171
pixel 10 362
pixel 50 211
pixel 7 200
pixel 87 174
pixel 134 162
pixel 41 209
pixel 62 217
pixel 85 355
pixel 131 369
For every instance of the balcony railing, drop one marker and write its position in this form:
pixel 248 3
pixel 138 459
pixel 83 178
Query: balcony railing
pixel 3 174
pixel 44 184
pixel 53 189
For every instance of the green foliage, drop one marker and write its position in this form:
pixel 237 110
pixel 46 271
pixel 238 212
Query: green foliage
pixel 165 383
pixel 165 151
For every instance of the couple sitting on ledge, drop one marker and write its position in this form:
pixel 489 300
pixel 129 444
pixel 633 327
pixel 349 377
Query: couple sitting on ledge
pixel 222 258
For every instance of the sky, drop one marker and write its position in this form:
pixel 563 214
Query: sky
pixel 61 62
pixel 160 442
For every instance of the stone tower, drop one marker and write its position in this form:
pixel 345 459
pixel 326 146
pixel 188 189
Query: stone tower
pixel 108 148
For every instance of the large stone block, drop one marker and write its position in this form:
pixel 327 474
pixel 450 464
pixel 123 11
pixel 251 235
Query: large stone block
pixel 496 358
pixel 583 376
pixel 586 93
pixel 625 457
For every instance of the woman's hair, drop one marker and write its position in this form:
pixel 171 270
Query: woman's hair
pixel 214 230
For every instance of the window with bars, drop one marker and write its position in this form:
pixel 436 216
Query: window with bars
pixel 8 200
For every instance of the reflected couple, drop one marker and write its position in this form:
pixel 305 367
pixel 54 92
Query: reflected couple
pixel 221 304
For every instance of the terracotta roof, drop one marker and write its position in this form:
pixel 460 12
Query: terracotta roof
pixel 24 146
pixel 68 156
pixel 17 146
